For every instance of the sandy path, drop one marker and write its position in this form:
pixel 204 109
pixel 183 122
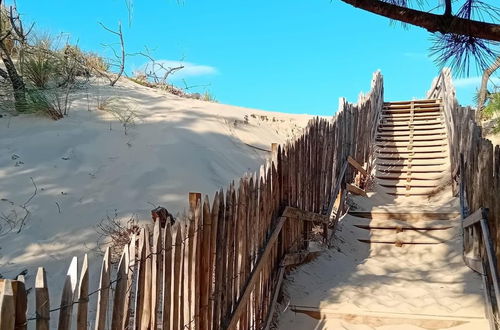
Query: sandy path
pixel 355 286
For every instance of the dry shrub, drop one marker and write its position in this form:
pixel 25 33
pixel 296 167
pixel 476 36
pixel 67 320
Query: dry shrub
pixel 116 233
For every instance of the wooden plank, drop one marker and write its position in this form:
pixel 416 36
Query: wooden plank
pixel 118 316
pixel 228 285
pixel 205 267
pixel 296 213
pixel 408 216
pixel 103 294
pixel 177 313
pixel 147 284
pixel 42 302
pixel 473 218
pixel 139 296
pixel 21 299
pixel 130 280
pixel 67 295
pixel 167 277
pixel 7 305
pixel 357 165
pixel 186 278
pixel 219 263
pixel 195 206
pixel 156 256
pixel 356 190
pixel 240 305
pixel 83 299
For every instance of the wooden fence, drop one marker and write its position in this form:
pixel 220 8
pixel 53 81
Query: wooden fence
pixel 475 167
pixel 220 267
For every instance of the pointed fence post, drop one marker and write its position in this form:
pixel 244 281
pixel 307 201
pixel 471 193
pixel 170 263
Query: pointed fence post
pixel 103 294
pixel 118 318
pixel 83 296
pixel 42 300
pixel 21 303
pixel 7 305
pixel 67 296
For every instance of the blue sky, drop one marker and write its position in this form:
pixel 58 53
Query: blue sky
pixel 295 56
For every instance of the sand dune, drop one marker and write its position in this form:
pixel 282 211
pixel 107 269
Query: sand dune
pixel 85 167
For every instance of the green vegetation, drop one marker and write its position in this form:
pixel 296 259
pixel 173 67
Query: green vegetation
pixel 492 110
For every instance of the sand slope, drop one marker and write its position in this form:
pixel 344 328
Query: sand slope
pixel 85 167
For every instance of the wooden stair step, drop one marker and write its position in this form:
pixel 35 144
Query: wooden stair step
pixel 410 155
pixel 410 127
pixel 389 236
pixel 415 144
pixel 433 176
pixel 415 138
pixel 402 224
pixel 402 169
pixel 384 133
pixel 412 104
pixel 415 150
pixel 406 216
pixel 405 123
pixel 401 183
pixel 406 162
pixel 414 117
pixel 412 112
pixel 415 101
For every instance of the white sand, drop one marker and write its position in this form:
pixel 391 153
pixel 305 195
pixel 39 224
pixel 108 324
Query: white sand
pixel 177 146
pixel 380 286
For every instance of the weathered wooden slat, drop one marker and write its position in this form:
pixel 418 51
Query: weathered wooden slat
pixel 139 283
pixel 156 256
pixel 194 288
pixel 118 316
pixel 205 267
pixel 167 277
pixel 147 284
pixel 7 305
pixel 177 313
pixel 83 296
pixel 42 301
pixel 103 294
pixel 130 280
pixel 21 303
pixel 67 296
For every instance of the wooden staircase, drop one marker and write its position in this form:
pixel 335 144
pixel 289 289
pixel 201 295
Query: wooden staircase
pixel 411 161
pixel 411 148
